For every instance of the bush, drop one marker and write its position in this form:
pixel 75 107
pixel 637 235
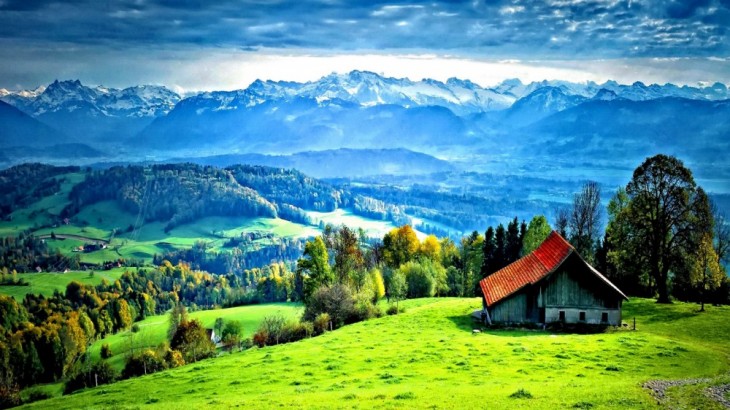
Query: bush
pixel 135 328
pixel 147 362
pixel 335 300
pixel 364 309
pixel 394 310
pixel 521 394
pixel 98 374
pixel 321 323
pixel 106 351
pixel 37 395
pixel 296 331
pixel 260 338
pixel 174 358
pixel 273 327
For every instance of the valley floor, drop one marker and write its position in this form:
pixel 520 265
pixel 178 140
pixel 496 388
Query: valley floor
pixel 429 358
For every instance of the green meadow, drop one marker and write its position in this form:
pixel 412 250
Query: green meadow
pixel 153 330
pixel 46 283
pixel 428 357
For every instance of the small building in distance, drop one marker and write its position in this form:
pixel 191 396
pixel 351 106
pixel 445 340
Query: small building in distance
pixel 551 284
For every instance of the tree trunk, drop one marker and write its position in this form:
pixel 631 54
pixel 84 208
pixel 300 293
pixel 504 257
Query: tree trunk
pixel 662 287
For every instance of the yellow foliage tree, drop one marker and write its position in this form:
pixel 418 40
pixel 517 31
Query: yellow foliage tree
pixel 706 273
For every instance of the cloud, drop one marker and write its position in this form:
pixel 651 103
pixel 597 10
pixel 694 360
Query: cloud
pixel 560 30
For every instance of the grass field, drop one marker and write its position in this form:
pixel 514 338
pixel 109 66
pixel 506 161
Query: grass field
pixel 153 330
pixel 46 283
pixel 373 228
pixel 429 358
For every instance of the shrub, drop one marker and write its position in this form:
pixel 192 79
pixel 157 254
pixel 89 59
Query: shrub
pixel 143 363
pixel 174 358
pixel 106 351
pixel 521 394
pixel 98 374
pixel 335 300
pixel 273 327
pixel 364 308
pixel 394 310
pixel 37 395
pixel 291 332
pixel 260 338
pixel 135 328
pixel 321 323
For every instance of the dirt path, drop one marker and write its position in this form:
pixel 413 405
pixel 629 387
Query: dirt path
pixel 658 390
pixel 77 237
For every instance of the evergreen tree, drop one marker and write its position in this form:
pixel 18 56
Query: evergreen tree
pixel 488 250
pixel 500 249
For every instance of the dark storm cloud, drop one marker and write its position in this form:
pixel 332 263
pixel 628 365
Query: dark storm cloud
pixel 519 29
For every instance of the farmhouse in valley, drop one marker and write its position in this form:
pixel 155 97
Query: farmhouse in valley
pixel 551 284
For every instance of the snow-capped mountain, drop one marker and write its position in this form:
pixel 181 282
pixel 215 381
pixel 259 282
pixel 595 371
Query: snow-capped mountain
pixel 138 101
pixel 94 112
pixel 365 89
pixel 542 102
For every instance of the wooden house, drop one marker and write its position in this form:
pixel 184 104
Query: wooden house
pixel 551 284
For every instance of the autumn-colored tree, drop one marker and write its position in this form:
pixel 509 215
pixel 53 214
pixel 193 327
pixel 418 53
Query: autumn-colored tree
pixel 192 341
pixel 706 273
pixel 431 248
pixel 400 245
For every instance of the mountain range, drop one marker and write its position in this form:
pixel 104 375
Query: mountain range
pixel 365 111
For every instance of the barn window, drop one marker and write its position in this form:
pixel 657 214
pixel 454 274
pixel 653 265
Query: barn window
pixel 582 316
pixel 561 315
pixel 604 317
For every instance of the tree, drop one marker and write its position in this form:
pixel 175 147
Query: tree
pixel 488 248
pixel 706 273
pixel 431 248
pixel 348 256
pixel 192 341
pixel 537 232
pixel 218 326
pixel 585 219
pixel 721 235
pixel 500 249
pixel 313 269
pixel 178 315
pixel 231 334
pixel 561 221
pixel 513 242
pixel 400 245
pixel 659 219
pixel 398 287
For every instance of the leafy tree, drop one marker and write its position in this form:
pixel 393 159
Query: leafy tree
pixel 314 269
pixel 192 341
pixel 585 219
pixel 231 334
pixel 537 232
pixel 431 248
pixel 400 245
pixel 706 273
pixel 398 288
pixel 659 219
pixel 347 254
pixel 178 315
pixel 376 278
pixel 335 300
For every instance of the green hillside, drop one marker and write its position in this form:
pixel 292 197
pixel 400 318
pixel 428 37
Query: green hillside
pixel 429 358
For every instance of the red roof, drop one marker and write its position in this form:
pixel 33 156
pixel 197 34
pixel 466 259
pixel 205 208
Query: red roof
pixel 530 269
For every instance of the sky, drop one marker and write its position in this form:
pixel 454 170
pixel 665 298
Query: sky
pixel 191 45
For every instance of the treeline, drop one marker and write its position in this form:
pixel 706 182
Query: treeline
pixel 28 253
pixel 175 194
pixel 24 184
pixel 247 253
pixel 180 193
pixel 462 212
